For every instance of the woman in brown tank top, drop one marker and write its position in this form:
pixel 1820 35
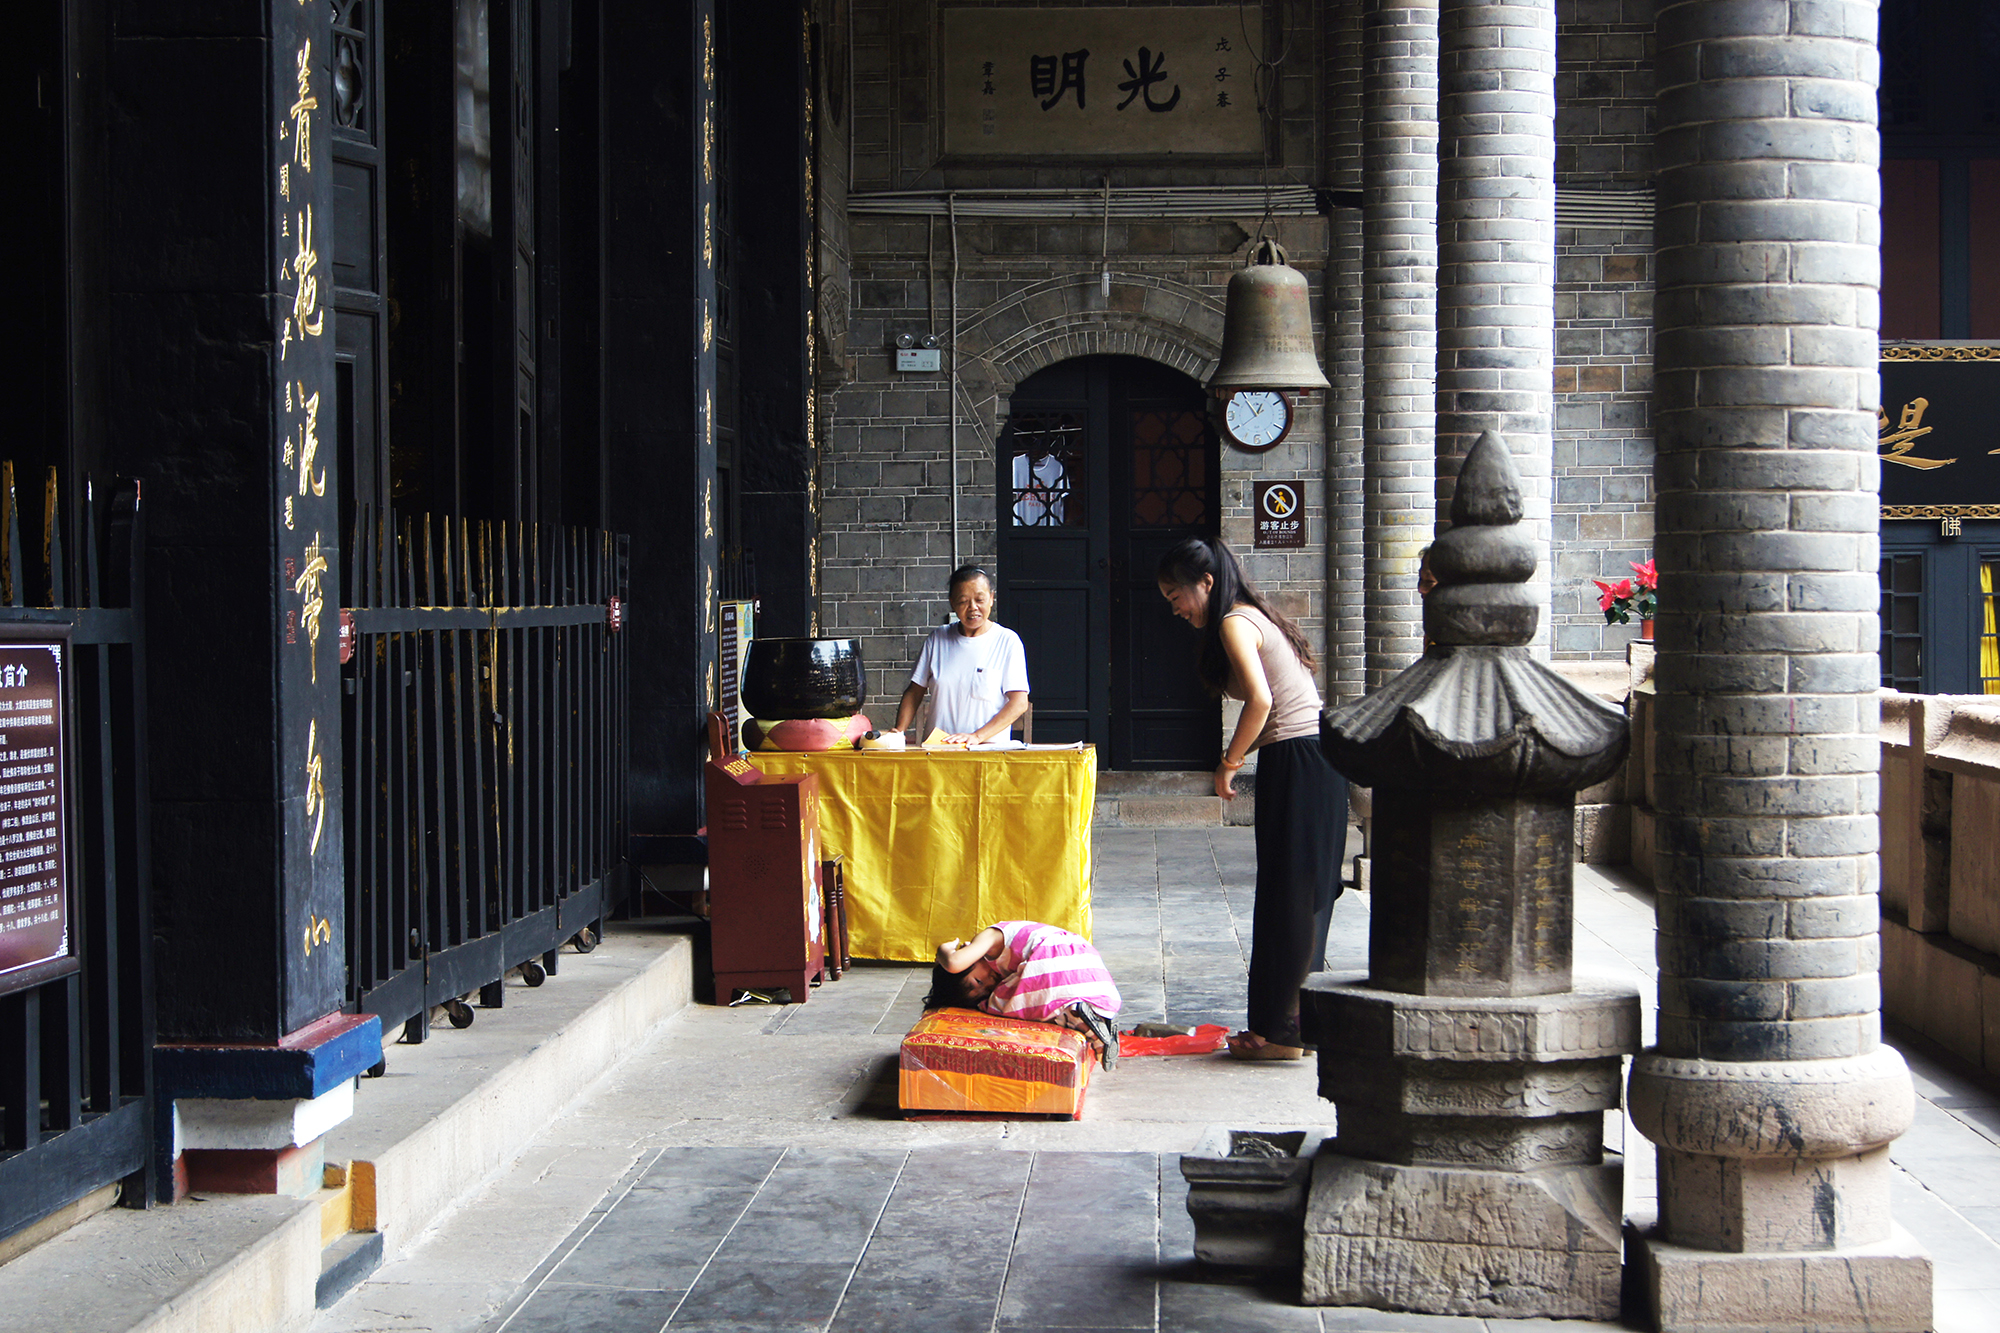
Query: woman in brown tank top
pixel 1250 651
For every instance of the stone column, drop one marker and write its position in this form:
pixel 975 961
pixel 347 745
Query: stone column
pixel 1497 251
pixel 1399 318
pixel 1346 471
pixel 1769 1095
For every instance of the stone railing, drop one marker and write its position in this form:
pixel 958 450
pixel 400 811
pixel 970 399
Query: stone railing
pixel 1941 870
pixel 1940 808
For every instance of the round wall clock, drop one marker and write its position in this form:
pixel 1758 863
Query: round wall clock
pixel 1256 419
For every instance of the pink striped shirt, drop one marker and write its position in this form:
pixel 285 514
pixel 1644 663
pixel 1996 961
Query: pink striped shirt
pixel 1045 969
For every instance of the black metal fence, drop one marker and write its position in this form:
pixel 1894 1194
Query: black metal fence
pixel 485 714
pixel 76 1051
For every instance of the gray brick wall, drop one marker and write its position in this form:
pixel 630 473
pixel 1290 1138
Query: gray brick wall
pixel 1604 91
pixel 1603 502
pixel 1603 515
pixel 1028 295
pixel 887 436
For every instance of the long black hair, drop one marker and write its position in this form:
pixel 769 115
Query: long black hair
pixel 950 990
pixel 1184 565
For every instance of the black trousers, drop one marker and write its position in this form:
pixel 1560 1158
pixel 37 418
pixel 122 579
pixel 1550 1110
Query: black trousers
pixel 1301 835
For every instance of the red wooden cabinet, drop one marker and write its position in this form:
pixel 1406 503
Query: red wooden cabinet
pixel 766 914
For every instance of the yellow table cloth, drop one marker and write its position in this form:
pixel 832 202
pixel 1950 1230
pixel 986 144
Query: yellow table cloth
pixel 942 843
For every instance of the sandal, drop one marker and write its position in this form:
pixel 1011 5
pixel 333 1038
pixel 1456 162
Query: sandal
pixel 1102 1034
pixel 1248 1045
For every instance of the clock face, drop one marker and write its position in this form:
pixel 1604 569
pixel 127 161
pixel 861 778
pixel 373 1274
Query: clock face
pixel 1257 418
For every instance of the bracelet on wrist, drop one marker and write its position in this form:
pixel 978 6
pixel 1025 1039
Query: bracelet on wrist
pixel 1227 762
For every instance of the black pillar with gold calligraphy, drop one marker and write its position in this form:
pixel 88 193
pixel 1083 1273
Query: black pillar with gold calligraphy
pixel 312 944
pixel 662 320
pixel 220 384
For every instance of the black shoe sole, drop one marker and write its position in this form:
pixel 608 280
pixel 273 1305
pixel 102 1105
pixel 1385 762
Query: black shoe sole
pixel 1100 1028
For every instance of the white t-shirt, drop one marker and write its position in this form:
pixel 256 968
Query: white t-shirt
pixel 968 679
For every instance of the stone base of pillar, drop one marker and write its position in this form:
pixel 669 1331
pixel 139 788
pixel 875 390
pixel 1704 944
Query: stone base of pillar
pixel 1464 1241
pixel 1247 1195
pixel 1880 1288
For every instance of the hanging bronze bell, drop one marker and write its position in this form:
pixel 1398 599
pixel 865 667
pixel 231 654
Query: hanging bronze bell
pixel 1267 332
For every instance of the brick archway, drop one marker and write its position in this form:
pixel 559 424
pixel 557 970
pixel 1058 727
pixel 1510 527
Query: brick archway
pixel 1156 318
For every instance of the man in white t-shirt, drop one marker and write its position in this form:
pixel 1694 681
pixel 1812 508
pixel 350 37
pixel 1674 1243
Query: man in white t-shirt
pixel 976 669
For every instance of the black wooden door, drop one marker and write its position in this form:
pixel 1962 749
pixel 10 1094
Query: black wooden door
pixel 1940 626
pixel 359 414
pixel 466 173
pixel 1104 463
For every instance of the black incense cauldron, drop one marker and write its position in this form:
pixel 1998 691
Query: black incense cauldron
pixel 796 678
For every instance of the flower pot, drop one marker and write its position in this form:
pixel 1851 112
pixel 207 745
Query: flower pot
pixel 803 678
pixel 1646 629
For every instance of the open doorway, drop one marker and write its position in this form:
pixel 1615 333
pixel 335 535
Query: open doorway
pixel 1104 463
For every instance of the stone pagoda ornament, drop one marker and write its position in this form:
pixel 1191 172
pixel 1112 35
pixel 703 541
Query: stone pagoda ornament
pixel 1471 1072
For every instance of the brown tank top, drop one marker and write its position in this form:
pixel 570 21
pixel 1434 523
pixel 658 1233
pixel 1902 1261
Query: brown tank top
pixel 1295 703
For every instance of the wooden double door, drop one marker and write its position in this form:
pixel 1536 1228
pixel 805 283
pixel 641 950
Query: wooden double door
pixel 1104 463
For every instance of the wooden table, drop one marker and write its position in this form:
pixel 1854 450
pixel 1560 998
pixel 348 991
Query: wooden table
pixel 942 843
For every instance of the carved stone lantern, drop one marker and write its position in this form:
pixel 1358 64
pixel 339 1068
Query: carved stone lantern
pixel 1470 1071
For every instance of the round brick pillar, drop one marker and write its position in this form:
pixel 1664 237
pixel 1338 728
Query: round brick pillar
pixel 1497 252
pixel 1769 1097
pixel 1399 168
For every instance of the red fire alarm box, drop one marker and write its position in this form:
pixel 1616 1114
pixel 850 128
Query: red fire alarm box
pixel 763 880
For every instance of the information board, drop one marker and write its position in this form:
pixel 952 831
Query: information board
pixel 35 943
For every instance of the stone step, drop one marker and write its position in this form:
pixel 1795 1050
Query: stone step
pixel 1169 800
pixel 1120 784
pixel 1158 812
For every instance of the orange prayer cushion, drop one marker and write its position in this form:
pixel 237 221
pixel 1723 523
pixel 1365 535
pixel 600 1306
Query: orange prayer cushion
pixel 964 1060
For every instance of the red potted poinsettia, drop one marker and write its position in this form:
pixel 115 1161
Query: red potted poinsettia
pixel 1636 596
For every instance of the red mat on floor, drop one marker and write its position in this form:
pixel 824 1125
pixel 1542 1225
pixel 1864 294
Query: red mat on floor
pixel 1207 1038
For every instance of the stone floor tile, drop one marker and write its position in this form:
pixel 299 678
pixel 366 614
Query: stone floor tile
pixel 1966 1310
pixel 876 1309
pixel 1987 1219
pixel 1964 1255
pixel 678 1167
pixel 556 1308
pixel 623 1247
pixel 1202 1300
pixel 952 1257
pixel 762 1296
pixel 437 1307
pixel 954 1234
pixel 1101 1295
pixel 1984 1119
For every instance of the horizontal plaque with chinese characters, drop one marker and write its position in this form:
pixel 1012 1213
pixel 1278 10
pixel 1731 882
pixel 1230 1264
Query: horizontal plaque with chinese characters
pixel 1148 80
pixel 1937 432
pixel 34 882
pixel 1281 516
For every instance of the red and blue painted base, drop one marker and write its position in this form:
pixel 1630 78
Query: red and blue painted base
pixel 295 1172
pixel 299 1067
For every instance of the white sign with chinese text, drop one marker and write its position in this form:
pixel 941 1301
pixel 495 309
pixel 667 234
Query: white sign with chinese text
pixel 1097 82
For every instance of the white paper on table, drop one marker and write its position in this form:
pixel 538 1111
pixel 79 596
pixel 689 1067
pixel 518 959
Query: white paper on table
pixel 936 741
